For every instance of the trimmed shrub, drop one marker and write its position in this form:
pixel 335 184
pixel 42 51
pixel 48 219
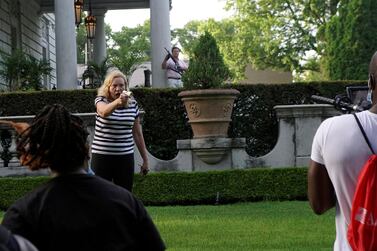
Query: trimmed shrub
pixel 222 186
pixel 181 188
pixel 207 68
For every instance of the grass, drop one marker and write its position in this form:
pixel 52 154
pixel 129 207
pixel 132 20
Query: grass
pixel 267 226
pixel 271 226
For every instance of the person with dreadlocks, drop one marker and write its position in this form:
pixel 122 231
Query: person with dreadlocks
pixel 74 210
pixel 117 129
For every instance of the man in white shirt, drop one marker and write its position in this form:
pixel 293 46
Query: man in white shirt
pixel 174 68
pixel 339 152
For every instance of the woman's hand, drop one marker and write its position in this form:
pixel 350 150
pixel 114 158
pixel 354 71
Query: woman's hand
pixel 144 169
pixel 123 100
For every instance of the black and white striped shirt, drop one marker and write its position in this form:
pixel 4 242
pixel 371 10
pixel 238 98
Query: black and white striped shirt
pixel 113 134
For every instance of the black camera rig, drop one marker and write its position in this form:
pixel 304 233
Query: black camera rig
pixel 355 100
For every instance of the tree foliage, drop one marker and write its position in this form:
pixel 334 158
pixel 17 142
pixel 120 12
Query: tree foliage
pixel 316 39
pixel 187 35
pixel 279 34
pixel 223 32
pixel 130 47
pixel 325 39
pixel 263 33
pixel 351 40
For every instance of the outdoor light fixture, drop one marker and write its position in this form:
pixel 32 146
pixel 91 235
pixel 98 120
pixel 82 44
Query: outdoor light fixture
pixel 90 23
pixel 79 4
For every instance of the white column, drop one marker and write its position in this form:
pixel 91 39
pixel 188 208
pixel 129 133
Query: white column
pixel 66 54
pixel 99 42
pixel 160 38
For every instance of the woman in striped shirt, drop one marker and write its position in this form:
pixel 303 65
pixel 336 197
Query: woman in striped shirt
pixel 117 128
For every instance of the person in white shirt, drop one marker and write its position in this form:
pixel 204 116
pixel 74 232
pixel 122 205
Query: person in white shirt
pixel 339 152
pixel 174 68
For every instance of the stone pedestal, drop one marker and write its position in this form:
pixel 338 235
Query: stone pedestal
pixel 212 153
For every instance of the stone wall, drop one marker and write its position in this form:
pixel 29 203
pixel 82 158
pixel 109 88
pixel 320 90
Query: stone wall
pixel 297 126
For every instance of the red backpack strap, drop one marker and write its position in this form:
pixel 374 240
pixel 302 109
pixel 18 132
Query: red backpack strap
pixel 363 132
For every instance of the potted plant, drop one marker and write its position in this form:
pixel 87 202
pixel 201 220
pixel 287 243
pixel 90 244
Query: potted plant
pixel 21 71
pixel 209 107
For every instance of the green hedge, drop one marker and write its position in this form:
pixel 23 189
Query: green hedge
pixel 181 188
pixel 165 119
pixel 29 103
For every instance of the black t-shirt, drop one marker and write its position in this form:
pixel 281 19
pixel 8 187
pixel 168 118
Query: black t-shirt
pixel 83 212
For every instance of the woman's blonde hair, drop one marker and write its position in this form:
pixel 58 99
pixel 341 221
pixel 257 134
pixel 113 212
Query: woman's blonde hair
pixel 104 90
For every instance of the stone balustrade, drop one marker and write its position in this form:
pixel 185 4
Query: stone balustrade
pixel 297 126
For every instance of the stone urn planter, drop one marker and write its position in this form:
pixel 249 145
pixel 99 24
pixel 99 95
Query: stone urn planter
pixel 208 103
pixel 209 111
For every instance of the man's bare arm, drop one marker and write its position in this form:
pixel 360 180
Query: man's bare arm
pixel 321 193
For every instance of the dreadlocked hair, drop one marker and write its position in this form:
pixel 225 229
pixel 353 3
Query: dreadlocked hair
pixel 55 139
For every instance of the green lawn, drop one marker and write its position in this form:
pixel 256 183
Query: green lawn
pixel 288 225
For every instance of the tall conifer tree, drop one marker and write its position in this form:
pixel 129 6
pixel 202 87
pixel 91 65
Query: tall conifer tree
pixel 351 40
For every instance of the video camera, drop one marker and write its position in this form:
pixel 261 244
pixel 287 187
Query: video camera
pixel 355 100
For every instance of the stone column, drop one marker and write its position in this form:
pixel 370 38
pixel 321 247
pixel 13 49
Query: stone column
pixel 160 38
pixel 66 53
pixel 99 42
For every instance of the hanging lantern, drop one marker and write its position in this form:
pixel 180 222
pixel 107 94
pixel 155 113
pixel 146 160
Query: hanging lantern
pixel 90 23
pixel 79 4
